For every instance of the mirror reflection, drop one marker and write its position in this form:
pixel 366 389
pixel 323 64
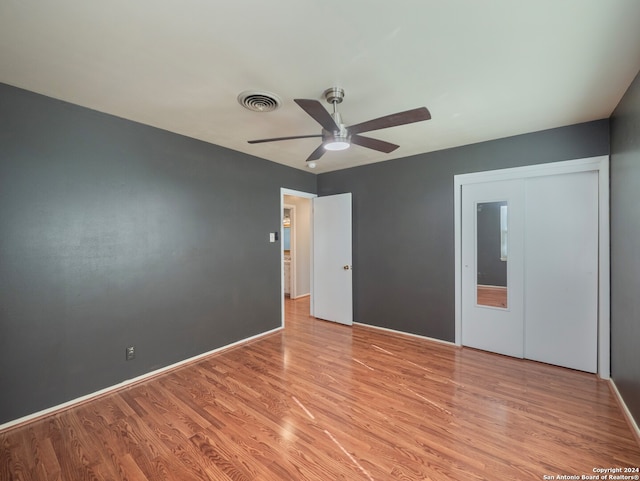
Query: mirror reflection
pixel 492 254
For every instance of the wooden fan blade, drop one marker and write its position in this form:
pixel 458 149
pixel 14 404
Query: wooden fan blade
pixel 401 118
pixel 375 144
pixel 319 113
pixel 316 154
pixel 283 138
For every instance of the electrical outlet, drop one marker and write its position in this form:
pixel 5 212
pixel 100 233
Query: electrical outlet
pixel 130 353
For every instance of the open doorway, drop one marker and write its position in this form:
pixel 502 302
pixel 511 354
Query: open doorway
pixel 325 277
pixel 290 251
pixel 296 252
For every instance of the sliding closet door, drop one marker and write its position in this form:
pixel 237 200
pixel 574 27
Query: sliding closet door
pixel 492 266
pixel 561 273
pixel 546 308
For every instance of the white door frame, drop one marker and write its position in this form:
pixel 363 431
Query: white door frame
pixel 307 195
pixel 599 164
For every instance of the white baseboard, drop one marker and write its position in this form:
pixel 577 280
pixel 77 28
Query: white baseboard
pixel 425 338
pixel 632 422
pixel 301 296
pixel 128 382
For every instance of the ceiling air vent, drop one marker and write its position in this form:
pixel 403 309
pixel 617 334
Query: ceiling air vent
pixel 259 101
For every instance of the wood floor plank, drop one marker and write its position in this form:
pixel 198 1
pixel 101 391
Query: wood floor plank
pixel 321 401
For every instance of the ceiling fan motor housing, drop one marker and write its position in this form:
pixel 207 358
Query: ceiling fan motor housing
pixel 342 132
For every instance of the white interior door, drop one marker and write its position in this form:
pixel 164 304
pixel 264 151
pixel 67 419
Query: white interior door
pixel 492 304
pixel 561 275
pixel 332 261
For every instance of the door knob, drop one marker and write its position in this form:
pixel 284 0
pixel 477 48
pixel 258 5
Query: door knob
pixel 347 267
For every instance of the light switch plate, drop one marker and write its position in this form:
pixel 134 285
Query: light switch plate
pixel 272 236
pixel 130 353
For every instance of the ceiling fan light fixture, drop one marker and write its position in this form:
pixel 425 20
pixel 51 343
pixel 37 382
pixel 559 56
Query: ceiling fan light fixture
pixel 337 143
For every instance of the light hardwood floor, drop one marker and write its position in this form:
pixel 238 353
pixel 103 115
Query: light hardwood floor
pixel 322 401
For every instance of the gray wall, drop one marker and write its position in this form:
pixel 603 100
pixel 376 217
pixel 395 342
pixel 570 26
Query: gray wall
pixel 114 233
pixel 403 222
pixel 625 247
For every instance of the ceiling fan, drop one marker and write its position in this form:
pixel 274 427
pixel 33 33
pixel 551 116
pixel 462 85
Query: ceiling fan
pixel 335 136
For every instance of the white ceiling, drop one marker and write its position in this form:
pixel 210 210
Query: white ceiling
pixel 485 69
